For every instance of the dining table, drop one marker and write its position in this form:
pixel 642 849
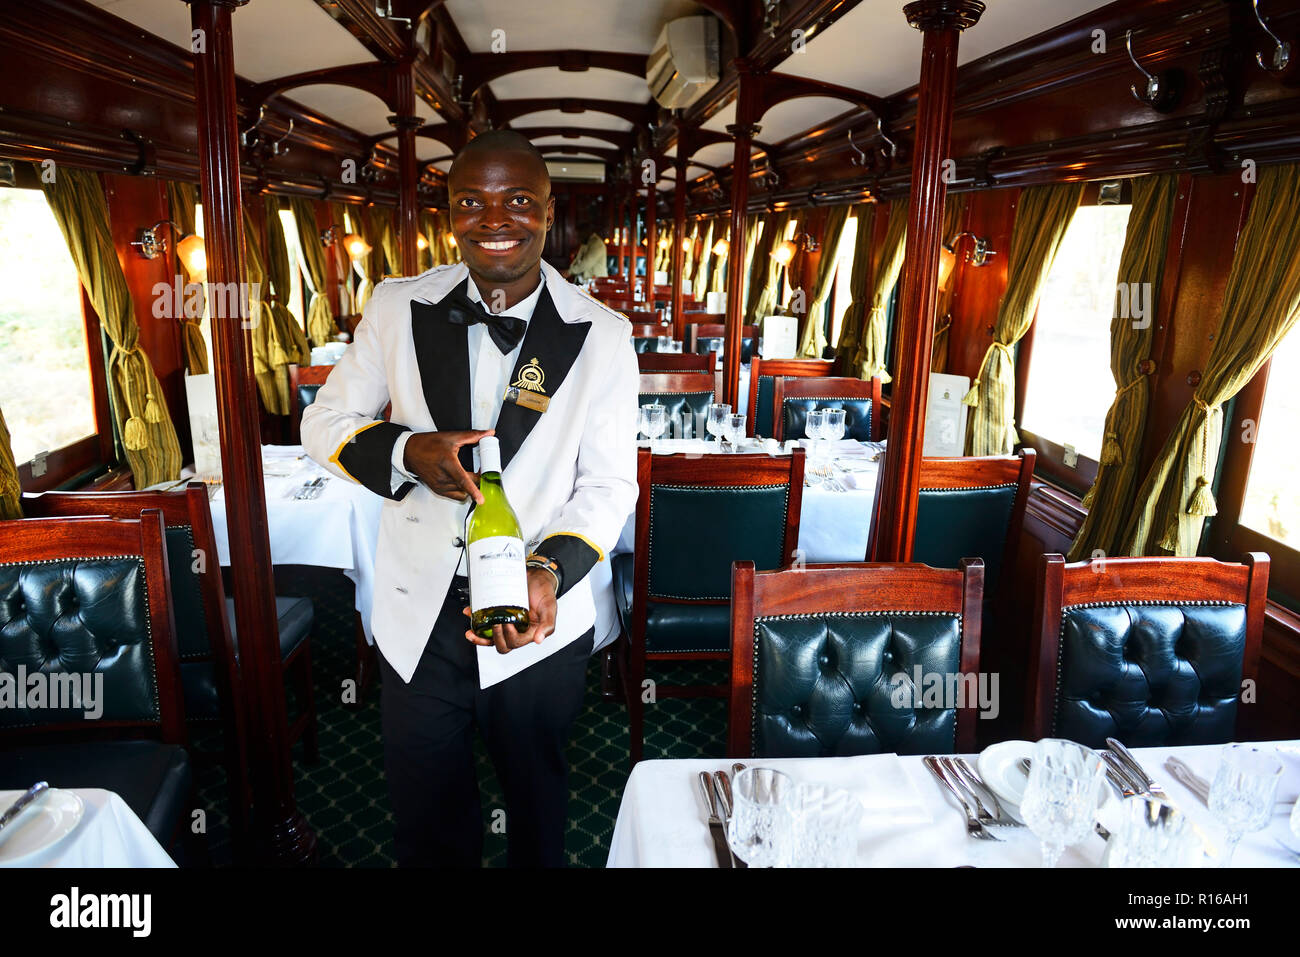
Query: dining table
pixel 106 834
pixel 909 820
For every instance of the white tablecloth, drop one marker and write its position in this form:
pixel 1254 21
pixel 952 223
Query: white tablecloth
pixel 108 835
pixel 339 529
pixel 911 821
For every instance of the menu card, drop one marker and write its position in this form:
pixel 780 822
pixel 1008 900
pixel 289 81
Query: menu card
pixel 945 416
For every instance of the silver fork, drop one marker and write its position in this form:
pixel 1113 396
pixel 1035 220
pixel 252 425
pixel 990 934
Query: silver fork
pixel 973 827
pixel 976 786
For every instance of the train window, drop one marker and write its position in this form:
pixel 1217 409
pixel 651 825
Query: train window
pixel 842 294
pixel 295 266
pixel 47 382
pixel 1271 504
pixel 1069 386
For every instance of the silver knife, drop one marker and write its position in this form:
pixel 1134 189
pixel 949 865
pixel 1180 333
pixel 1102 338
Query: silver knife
pixel 1137 771
pixel 723 785
pixel 716 827
pixel 28 796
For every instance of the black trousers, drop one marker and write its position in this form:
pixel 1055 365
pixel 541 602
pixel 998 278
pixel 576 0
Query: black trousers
pixel 428 728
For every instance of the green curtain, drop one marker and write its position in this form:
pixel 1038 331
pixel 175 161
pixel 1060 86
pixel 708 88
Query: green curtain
pixel 813 341
pixel 287 334
pixel 1260 305
pixel 743 259
pixel 11 490
pixel 765 273
pixel 886 263
pixel 270 361
pixel 77 200
pixel 689 257
pixel 181 200
pixel 853 319
pixel 1142 261
pixel 380 226
pixel 320 314
pixel 1041 222
pixel 431 255
pixel 718 277
pixel 372 263
pixel 704 263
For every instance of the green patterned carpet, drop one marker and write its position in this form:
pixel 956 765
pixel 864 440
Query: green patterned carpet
pixel 344 796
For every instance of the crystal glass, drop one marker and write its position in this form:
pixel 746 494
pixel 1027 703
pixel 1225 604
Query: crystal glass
pixel 826 823
pixel 656 420
pixel 833 425
pixel 761 825
pixel 665 344
pixel 735 430
pixel 675 346
pixel 1243 792
pixel 642 422
pixel 812 428
pixel 716 423
pixel 1152 833
pixel 1060 802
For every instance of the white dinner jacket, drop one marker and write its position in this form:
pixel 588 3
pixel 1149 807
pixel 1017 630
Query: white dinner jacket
pixel 569 472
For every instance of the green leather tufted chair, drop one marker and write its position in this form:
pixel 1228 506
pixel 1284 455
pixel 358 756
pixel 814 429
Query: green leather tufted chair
pixel 824 659
pixel 695 516
pixel 88 597
pixel 794 398
pixel 677 392
pixel 1152 651
pixel 763 374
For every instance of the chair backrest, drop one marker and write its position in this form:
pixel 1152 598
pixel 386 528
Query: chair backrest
pixel 697 514
pixel 762 377
pixel 710 336
pixel 649 329
pixel 642 318
pixel 1152 651
pixel 972 506
pixel 304 383
pixel 793 399
pixel 678 392
pixel 709 318
pixel 618 303
pixel 835 660
pixel 206 648
pixel 85 603
pixel 676 362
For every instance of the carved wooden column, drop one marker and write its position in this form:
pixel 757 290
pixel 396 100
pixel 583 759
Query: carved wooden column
pixel 941 22
pixel 678 260
pixel 743 130
pixel 627 258
pixel 651 228
pixel 279 829
pixel 408 168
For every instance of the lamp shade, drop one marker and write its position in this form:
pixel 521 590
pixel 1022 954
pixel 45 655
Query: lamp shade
pixel 721 247
pixel 420 242
pixel 356 246
pixel 784 252
pixel 193 255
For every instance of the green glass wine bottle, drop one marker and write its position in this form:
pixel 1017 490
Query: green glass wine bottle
pixel 498 580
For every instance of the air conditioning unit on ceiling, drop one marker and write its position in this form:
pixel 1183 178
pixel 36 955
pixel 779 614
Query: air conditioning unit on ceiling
pixel 684 63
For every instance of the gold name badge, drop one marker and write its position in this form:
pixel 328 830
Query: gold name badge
pixel 529 400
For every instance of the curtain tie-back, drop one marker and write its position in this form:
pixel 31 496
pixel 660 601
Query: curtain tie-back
pixel 972 398
pixel 1111 453
pixel 1202 501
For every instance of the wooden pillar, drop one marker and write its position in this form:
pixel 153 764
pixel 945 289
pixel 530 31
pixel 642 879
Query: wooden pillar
pixel 651 228
pixel 279 829
pixel 408 168
pixel 625 228
pixel 743 131
pixel 941 22
pixel 678 260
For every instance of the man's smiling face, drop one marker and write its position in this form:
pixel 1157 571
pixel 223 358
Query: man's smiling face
pixel 501 209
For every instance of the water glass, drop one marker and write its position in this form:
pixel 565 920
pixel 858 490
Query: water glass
pixel 1153 833
pixel 1243 792
pixel 761 825
pixel 665 344
pixel 813 426
pixel 656 420
pixel 717 421
pixel 735 430
pixel 833 424
pixel 1060 802
pixel 826 823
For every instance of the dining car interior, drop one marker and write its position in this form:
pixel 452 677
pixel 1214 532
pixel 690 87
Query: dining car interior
pixel 651 434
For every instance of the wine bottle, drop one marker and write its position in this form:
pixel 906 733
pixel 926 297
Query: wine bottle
pixel 498 580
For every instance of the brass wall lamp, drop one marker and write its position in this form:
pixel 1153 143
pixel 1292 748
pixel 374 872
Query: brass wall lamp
pixel 189 247
pixel 785 250
pixel 979 253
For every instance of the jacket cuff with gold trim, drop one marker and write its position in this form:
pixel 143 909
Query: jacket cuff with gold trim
pixel 573 553
pixel 366 456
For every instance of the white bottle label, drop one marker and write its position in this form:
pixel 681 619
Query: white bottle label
pixel 497 576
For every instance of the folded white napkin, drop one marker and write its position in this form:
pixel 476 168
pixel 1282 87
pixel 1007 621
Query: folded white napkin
pixel 880 782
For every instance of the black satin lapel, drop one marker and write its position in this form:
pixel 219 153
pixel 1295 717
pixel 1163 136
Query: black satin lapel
pixel 442 354
pixel 555 344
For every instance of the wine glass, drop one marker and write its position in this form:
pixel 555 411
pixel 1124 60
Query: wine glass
pixel 665 344
pixel 761 821
pixel 717 420
pixel 656 420
pixel 642 422
pixel 833 425
pixel 1243 792
pixel 1151 832
pixel 812 428
pixel 1060 802
pixel 736 430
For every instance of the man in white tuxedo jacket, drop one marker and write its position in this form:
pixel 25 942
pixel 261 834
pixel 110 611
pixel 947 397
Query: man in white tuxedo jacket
pixel 502 345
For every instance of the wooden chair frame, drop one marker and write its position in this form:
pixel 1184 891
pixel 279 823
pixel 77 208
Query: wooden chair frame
pixel 677 362
pixel 823 387
pixel 832 589
pixel 797 368
pixel 704 472
pixel 701 328
pixel 1172 580
pixel 302 375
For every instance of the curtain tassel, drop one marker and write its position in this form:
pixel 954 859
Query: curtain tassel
pixel 278 356
pixel 972 398
pixel 1090 496
pixel 1170 540
pixel 1202 502
pixel 134 436
pixel 1110 450
pixel 152 409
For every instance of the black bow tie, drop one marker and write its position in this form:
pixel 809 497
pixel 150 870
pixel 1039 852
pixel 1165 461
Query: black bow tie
pixel 506 331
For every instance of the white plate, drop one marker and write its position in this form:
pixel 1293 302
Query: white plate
pixel 42 824
pixel 999 766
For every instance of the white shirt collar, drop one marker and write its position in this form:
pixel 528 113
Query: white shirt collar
pixel 523 309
